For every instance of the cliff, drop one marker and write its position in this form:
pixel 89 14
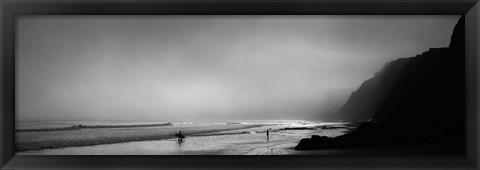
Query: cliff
pixel 411 101
pixel 376 89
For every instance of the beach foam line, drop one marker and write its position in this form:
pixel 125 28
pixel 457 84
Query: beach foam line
pixel 78 127
pixel 59 143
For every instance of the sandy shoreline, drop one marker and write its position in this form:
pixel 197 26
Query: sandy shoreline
pixel 218 139
pixel 85 137
pixel 222 144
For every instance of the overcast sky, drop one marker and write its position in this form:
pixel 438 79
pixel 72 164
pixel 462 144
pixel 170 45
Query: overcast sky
pixel 205 67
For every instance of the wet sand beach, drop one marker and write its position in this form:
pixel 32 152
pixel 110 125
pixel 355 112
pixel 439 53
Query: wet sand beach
pixel 236 140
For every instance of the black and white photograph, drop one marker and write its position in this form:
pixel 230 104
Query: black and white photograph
pixel 240 85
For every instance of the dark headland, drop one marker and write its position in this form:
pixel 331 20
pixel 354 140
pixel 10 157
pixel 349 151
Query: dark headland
pixel 412 102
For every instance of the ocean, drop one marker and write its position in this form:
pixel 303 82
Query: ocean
pixel 203 137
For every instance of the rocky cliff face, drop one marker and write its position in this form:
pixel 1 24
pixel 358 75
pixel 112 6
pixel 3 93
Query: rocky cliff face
pixel 365 101
pixel 410 101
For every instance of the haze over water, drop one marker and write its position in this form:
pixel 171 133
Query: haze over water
pixel 154 68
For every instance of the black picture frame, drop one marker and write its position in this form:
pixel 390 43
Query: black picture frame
pixel 10 9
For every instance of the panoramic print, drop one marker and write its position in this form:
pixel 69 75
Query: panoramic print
pixel 240 85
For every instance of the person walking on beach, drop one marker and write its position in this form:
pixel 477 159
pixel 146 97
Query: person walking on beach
pixel 268 138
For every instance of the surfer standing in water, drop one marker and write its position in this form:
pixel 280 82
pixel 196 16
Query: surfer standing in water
pixel 180 136
pixel 268 138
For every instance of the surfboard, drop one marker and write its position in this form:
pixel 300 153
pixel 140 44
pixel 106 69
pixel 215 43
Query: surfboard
pixel 179 135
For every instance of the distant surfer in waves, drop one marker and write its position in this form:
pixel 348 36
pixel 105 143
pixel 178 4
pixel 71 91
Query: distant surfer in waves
pixel 180 136
pixel 268 137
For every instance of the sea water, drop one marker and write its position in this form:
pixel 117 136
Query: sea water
pixel 247 141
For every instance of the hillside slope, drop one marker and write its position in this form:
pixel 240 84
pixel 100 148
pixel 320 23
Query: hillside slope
pixel 411 101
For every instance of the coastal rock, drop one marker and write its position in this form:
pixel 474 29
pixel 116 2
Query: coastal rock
pixel 376 89
pixel 411 101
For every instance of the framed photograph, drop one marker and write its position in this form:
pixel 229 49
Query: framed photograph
pixel 239 84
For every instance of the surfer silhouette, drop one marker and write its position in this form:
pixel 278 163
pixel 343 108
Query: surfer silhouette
pixel 268 138
pixel 180 136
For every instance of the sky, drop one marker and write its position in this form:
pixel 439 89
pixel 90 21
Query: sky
pixel 134 68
